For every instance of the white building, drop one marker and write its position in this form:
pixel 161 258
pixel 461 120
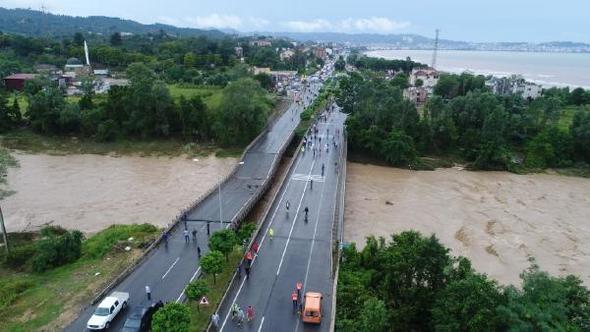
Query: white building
pixel 428 76
pixel 515 84
pixel 286 54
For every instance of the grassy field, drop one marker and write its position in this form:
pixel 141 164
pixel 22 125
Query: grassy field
pixel 211 95
pixel 48 301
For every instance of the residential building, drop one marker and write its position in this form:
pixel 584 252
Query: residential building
pixel 286 54
pixel 417 95
pixel 515 84
pixel 320 52
pixel 17 81
pixel 261 43
pixel 428 76
pixel 239 51
pixel 261 70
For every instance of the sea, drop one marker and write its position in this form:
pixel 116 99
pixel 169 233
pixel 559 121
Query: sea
pixel 546 69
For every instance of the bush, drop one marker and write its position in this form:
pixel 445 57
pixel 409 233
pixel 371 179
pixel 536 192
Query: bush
pixel 173 317
pixel 101 243
pixel 245 232
pixel 107 131
pixel 19 256
pixel 55 250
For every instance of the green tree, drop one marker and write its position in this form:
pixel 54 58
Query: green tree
pixel 44 110
pixel 78 39
pixel 580 129
pixel 547 303
pixel 196 290
pixel 398 149
pixel 265 80
pixel 212 263
pixel 223 241
pixel 468 304
pixel 401 81
pixel 173 317
pixel 579 97
pixel 116 39
pixel 340 64
pixel 242 112
pixel 373 316
pixel 418 83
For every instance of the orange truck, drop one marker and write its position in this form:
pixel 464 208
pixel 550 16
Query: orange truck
pixel 312 311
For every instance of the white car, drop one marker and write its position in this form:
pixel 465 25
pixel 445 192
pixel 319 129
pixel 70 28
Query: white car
pixel 107 310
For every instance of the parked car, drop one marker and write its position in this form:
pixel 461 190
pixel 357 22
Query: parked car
pixel 107 310
pixel 140 318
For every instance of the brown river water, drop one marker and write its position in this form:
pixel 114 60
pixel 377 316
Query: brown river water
pixel 498 220
pixel 90 192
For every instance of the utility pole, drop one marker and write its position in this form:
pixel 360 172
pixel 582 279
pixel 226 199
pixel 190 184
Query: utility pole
pixel 4 235
pixel 220 211
pixel 435 49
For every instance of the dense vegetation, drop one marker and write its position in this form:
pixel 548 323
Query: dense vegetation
pixel 465 120
pixel 380 64
pixel 36 23
pixel 413 284
pixel 54 271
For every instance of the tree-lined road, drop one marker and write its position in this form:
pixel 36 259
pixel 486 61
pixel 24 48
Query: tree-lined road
pixel 170 267
pixel 299 250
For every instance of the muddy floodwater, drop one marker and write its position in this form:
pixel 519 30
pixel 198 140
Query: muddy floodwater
pixel 496 219
pixel 91 192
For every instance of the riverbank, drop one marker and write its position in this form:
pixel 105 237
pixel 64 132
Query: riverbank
pixel 89 192
pixel 497 219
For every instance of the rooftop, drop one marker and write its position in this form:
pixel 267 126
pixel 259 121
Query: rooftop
pixel 20 76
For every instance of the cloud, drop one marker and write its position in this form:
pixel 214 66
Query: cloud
pixel 258 22
pixel 216 21
pixel 370 24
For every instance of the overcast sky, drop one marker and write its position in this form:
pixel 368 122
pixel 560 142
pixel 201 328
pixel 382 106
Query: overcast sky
pixel 469 20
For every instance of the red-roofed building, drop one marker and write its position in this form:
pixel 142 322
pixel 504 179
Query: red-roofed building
pixel 17 81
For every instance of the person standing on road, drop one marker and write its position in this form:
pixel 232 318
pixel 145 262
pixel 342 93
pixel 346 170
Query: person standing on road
pixel 306 212
pixel 186 237
pixel 250 313
pixel 294 298
pixel 148 292
pixel 298 287
pixel 194 235
pixel 215 320
pixel 165 238
pixel 247 269
pixel 323 166
pixel 239 270
pixel 271 233
pixel 199 252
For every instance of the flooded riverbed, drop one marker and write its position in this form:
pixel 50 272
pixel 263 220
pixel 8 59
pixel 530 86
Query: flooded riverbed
pixel 91 192
pixel 496 219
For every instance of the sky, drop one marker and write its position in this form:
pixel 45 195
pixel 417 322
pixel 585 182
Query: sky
pixel 465 20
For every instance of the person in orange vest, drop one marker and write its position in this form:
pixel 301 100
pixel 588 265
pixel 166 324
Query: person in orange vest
pixel 299 285
pixel 294 298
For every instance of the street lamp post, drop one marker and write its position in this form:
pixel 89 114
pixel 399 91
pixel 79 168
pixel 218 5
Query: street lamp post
pixel 4 235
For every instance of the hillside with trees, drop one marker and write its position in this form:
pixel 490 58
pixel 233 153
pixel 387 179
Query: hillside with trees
pixel 37 23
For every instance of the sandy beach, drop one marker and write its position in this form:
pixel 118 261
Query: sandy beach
pixel 91 192
pixel 497 219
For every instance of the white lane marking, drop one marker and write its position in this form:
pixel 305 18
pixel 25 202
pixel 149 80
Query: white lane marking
pixel 191 280
pixel 294 220
pixel 261 323
pixel 170 268
pixel 272 218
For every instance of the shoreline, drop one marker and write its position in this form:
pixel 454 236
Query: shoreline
pixel 506 63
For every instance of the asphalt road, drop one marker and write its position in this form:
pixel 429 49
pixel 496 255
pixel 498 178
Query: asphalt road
pixel 169 268
pixel 298 251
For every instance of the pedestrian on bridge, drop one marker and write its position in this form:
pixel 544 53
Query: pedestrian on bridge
pixel 199 252
pixel 186 236
pixel 215 320
pixel 194 235
pixel 148 292
pixel 294 298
